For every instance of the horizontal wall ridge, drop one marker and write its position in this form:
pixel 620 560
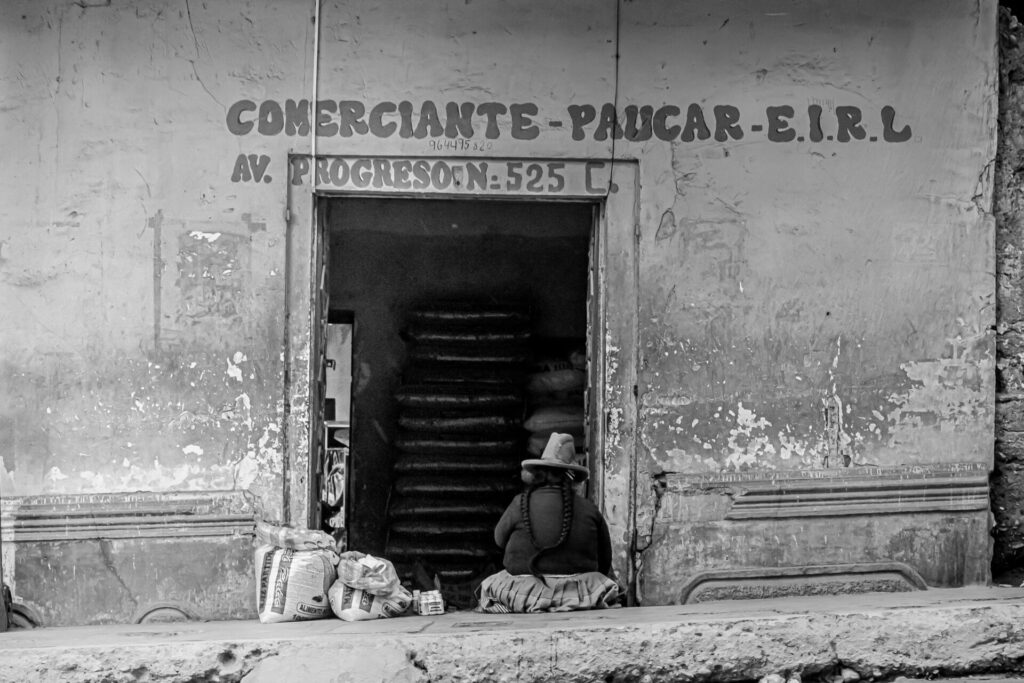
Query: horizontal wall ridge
pixel 129 515
pixel 958 487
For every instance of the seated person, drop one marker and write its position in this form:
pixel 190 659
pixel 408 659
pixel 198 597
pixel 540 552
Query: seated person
pixel 558 554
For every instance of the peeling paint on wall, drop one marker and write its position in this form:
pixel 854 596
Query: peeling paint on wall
pixel 838 452
pixel 152 437
pixel 212 273
pixel 749 441
pixel 951 396
pixel 613 433
pixel 943 402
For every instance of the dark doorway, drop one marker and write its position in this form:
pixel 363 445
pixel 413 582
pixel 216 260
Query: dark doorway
pixel 391 259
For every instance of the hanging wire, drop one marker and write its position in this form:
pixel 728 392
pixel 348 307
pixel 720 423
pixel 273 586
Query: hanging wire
pixel 615 92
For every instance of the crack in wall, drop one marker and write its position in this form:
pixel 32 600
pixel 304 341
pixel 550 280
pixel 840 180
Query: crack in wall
pixel 108 562
pixel 195 71
pixel 659 485
pixel 983 196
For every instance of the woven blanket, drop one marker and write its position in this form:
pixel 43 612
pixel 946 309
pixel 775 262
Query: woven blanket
pixel 503 593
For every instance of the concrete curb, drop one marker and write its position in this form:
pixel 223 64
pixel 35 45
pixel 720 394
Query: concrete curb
pixel 881 636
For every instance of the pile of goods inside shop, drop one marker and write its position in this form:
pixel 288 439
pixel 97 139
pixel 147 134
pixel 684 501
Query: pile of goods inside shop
pixel 460 440
pixel 479 393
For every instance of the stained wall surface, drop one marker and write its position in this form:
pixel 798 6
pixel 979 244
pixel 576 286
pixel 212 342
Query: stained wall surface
pixel 142 293
pixel 778 274
pixel 813 236
pixel 808 305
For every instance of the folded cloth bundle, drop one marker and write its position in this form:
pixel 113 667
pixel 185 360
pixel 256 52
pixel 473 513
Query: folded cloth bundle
pixel 503 592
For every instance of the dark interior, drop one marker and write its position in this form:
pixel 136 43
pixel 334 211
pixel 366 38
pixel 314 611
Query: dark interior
pixel 390 258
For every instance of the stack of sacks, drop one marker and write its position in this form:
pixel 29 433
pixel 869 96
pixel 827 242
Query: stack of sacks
pixel 556 402
pixel 300 576
pixel 460 439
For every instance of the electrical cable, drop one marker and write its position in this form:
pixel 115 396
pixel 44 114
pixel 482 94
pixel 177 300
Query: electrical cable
pixel 615 92
pixel 316 83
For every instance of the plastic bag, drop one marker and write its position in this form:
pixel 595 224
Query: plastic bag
pixel 295 539
pixel 353 604
pixel 374 575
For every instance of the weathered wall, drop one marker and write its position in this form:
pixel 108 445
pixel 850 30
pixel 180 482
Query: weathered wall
pixel 775 276
pixel 807 305
pixel 1008 478
pixel 829 148
pixel 141 289
pixel 814 238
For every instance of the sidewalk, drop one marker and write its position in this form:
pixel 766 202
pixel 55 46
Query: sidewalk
pixel 934 633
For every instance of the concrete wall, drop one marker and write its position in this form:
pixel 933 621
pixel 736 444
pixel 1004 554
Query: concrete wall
pixel 141 289
pixel 814 235
pixel 803 302
pixel 775 276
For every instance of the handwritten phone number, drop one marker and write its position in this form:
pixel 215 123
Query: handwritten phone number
pixel 460 145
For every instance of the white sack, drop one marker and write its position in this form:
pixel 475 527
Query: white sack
pixel 292 585
pixel 352 604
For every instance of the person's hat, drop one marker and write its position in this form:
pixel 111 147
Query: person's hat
pixel 559 453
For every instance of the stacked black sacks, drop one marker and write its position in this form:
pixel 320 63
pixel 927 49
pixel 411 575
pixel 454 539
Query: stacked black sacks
pixel 461 410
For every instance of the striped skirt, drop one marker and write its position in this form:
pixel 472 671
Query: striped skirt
pixel 504 592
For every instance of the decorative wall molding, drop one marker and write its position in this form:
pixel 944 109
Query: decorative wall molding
pixel 959 487
pixel 173 514
pixel 770 582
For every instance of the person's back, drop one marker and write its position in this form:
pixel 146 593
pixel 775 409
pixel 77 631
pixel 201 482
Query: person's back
pixel 586 547
pixel 557 546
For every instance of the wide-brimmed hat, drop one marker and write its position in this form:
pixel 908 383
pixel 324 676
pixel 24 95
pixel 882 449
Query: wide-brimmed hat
pixel 560 453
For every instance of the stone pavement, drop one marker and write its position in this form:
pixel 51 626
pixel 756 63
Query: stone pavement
pixel 939 633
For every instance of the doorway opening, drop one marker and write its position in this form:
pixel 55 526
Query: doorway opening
pixel 459 335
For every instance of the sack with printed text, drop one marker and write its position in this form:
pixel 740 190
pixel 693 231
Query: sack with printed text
pixel 292 584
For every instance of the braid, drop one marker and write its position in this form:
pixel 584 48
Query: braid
pixel 567 504
pixel 567 513
pixel 524 511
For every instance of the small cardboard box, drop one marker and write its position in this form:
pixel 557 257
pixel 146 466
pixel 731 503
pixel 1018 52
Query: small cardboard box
pixel 430 602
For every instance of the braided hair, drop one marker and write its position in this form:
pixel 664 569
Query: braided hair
pixel 538 480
